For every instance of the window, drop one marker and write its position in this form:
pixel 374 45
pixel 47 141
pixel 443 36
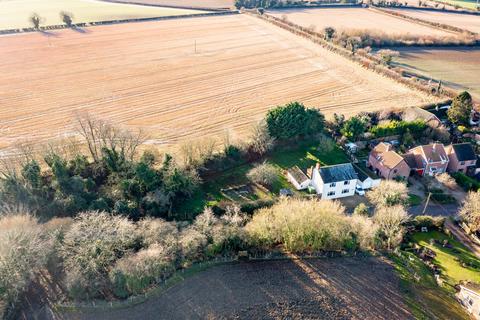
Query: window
pixel 395 170
pixel 331 193
pixel 332 185
pixel 346 182
pixel 345 191
pixel 462 163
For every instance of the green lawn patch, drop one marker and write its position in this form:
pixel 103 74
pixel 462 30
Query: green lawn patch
pixel 414 200
pixel 424 298
pixel 456 263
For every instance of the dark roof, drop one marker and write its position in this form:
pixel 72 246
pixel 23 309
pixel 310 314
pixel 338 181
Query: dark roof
pixel 364 173
pixel 339 172
pixel 464 151
pixel 298 174
pixel 410 160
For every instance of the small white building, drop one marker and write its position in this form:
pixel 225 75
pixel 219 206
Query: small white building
pixel 367 179
pixel 333 182
pixel 298 178
pixel 469 297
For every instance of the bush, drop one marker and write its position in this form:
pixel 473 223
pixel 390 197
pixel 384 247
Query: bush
pixel 91 246
pixel 306 225
pixel 394 127
pixel 466 182
pixel 136 272
pixel 429 222
pixel 264 174
pixel 23 252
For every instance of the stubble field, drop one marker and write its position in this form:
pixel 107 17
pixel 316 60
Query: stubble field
pixel 214 4
pixel 460 20
pixel 177 79
pixel 458 67
pixel 16 13
pixel 356 19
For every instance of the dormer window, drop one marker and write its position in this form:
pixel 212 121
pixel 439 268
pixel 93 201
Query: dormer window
pixel 332 185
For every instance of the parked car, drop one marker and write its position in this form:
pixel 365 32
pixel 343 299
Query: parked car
pixel 359 190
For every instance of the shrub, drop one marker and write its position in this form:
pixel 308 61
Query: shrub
pixel 23 252
pixel 93 243
pixel 158 231
pixel 134 273
pixel 361 210
pixel 303 225
pixel 470 210
pixel 467 183
pixel 429 222
pixel 390 222
pixel 389 193
pixel 459 112
pixel 395 127
pixel 353 128
pixel 264 174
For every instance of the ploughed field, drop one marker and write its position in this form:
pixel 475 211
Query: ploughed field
pixel 336 288
pixel 457 67
pixel 213 4
pixel 468 22
pixel 177 79
pixel 345 19
pixel 15 14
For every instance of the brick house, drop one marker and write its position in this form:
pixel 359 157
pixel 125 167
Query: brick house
pixel 388 164
pixel 462 158
pixel 429 159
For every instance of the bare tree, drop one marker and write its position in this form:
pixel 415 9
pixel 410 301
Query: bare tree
pixel 35 20
pixel 100 134
pixel 260 140
pixel 470 211
pixel 389 221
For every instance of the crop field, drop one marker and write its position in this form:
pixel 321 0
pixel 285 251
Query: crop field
pixel 178 79
pixel 15 13
pixel 344 19
pixel 460 20
pixel 214 4
pixel 457 67
pixel 469 4
pixel 335 288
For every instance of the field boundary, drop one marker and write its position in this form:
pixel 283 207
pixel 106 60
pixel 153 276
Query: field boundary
pixel 441 26
pixel 366 60
pixel 119 21
pixel 168 6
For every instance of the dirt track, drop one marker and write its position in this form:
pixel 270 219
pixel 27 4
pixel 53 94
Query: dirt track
pixel 336 288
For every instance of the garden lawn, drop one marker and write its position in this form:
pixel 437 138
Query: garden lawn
pixel 449 260
pixel 303 154
pixel 422 295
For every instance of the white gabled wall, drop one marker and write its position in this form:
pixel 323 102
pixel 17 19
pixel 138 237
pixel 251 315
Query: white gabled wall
pixel 325 189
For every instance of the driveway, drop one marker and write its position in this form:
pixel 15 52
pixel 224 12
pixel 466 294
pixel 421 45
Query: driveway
pixel 434 209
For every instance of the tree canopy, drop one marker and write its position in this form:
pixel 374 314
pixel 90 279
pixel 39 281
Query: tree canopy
pixel 294 120
pixel 459 112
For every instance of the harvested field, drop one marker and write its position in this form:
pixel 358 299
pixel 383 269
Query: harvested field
pixel 460 20
pixel 459 68
pixel 149 75
pixel 214 4
pixel 344 19
pixel 15 14
pixel 337 288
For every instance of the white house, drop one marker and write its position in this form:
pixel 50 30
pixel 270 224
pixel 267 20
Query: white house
pixel 332 182
pixel 367 179
pixel 299 179
pixel 469 296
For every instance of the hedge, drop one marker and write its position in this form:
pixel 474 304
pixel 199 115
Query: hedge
pixel 395 127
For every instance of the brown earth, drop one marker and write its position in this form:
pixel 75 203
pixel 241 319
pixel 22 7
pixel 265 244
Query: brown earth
pixel 213 4
pixel 356 19
pixel 331 288
pixel 177 79
pixel 465 21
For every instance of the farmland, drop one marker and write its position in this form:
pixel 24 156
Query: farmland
pixel 460 20
pixel 458 67
pixel 16 13
pixel 177 79
pixel 337 288
pixel 214 4
pixel 346 19
pixel 469 4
